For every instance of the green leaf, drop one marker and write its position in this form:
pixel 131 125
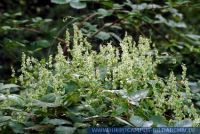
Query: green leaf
pixel 134 98
pixel 16 99
pixel 157 119
pixel 194 87
pixel 103 12
pixel 137 96
pixel 44 104
pixel 40 44
pixel 6 28
pixel 137 121
pixel 78 5
pixel 103 35
pixel 193 36
pixel 64 130
pixel 16 127
pixel 172 23
pixel 50 98
pixel 55 121
pixel 115 36
pixel 70 86
pixel 8 86
pixel 4 118
pixel 184 123
pixel 60 1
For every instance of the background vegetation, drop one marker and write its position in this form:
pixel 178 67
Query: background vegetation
pixel 36 27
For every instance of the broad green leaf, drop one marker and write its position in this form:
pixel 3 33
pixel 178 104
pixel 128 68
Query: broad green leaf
pixel 115 36
pixel 137 96
pixel 184 123
pixel 16 99
pixel 78 5
pixel 103 35
pixel 44 104
pixel 50 98
pixel 4 118
pixel 157 119
pixel 172 23
pixel 8 86
pixel 70 86
pixel 64 130
pixel 16 127
pixel 193 36
pixel 133 98
pixel 108 4
pixel 194 87
pixel 136 121
pixel 6 27
pixel 55 121
pixel 103 12
pixel 41 44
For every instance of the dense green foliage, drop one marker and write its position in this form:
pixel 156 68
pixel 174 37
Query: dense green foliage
pixel 172 25
pixel 116 86
pixel 66 84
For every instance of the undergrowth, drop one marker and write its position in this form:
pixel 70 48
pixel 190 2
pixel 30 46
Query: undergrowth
pixel 117 86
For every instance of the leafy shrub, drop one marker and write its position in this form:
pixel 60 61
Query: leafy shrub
pixel 171 25
pixel 116 86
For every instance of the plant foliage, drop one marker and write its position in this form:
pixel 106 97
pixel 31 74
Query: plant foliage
pixel 116 86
